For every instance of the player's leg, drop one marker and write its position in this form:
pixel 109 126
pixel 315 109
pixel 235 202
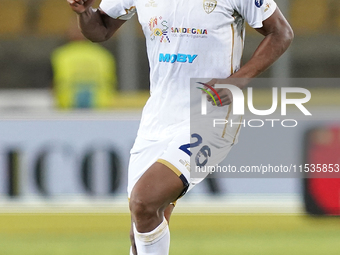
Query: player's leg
pixel 151 195
pixel 167 215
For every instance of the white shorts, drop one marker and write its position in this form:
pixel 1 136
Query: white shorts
pixel 181 152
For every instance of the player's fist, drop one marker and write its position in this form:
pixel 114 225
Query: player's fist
pixel 221 96
pixel 80 6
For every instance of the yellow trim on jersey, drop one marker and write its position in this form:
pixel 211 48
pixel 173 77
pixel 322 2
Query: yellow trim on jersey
pixel 232 49
pixel 242 40
pixel 238 129
pixel 225 126
pixel 171 166
pixel 127 12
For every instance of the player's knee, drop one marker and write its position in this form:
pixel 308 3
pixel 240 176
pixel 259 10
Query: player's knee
pixel 142 209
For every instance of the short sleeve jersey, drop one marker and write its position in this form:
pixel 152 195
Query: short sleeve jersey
pixel 187 39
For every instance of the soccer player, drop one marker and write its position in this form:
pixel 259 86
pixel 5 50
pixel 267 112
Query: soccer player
pixel 185 39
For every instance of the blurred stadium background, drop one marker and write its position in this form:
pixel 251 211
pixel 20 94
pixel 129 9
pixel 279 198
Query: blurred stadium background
pixel 63 171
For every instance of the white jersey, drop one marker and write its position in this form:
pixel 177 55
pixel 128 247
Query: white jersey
pixel 187 39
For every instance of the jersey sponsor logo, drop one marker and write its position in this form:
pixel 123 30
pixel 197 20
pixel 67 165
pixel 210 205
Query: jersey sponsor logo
pixel 159 29
pixel 181 58
pixel 258 3
pixel 194 31
pixel 151 3
pixel 209 5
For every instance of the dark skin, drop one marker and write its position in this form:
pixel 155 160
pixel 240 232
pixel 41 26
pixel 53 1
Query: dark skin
pixel 151 197
pixel 95 25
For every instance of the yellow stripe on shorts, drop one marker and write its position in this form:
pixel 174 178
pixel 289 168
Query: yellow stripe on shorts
pixel 171 166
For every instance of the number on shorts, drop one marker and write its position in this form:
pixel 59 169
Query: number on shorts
pixel 185 147
pixel 204 152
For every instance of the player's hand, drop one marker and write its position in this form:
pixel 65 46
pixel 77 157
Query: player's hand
pixel 223 95
pixel 80 6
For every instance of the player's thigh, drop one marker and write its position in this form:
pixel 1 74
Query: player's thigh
pixel 156 188
pixel 143 155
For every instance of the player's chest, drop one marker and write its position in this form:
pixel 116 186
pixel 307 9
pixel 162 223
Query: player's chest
pixel 185 13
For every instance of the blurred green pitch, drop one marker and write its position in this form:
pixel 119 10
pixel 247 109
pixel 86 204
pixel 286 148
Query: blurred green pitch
pixel 89 234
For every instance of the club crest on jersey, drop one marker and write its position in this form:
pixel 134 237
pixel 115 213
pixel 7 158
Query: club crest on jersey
pixel 209 5
pixel 258 3
pixel 159 29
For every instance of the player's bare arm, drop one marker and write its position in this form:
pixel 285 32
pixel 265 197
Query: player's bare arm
pixel 95 25
pixel 278 36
